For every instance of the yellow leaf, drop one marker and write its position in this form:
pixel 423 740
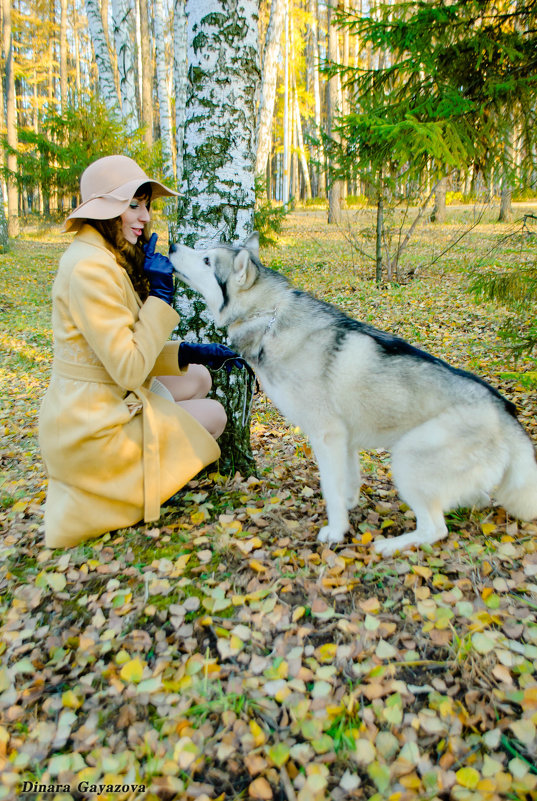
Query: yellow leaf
pixel 70 700
pixel 257 566
pixel 132 670
pixel 488 528
pixel 366 538
pixel 421 570
pixel 468 777
pixel 327 652
pixel 198 517
pixel 257 733
pixel 299 612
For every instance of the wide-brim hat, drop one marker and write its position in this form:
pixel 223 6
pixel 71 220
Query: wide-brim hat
pixel 107 187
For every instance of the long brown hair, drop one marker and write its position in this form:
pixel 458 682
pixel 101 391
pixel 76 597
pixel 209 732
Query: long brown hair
pixel 130 257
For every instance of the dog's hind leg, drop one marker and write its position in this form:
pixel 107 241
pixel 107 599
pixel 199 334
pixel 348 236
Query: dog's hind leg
pixel 449 461
pixel 330 448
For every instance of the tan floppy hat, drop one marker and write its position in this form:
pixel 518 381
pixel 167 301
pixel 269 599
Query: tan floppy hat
pixel 107 187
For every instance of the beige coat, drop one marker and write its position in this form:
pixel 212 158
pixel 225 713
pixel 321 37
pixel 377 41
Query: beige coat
pixel 114 450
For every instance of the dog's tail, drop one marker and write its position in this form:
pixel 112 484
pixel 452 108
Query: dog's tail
pixel 517 492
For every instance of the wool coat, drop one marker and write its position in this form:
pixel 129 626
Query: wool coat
pixel 114 450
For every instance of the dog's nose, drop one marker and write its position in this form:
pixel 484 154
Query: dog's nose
pixel 173 247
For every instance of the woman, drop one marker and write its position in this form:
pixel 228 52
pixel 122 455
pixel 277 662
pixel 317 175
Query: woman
pixel 125 422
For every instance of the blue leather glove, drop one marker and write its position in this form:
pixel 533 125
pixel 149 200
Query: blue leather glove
pixel 159 271
pixel 212 355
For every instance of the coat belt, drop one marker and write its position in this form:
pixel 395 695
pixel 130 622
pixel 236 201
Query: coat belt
pixel 150 444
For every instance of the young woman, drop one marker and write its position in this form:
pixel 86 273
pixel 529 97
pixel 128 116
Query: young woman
pixel 125 421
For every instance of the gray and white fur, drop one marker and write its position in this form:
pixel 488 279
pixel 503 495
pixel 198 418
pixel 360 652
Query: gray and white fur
pixel 350 387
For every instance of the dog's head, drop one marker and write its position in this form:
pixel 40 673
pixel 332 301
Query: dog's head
pixel 219 274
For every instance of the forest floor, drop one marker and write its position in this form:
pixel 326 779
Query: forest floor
pixel 223 653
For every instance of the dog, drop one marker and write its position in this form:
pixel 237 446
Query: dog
pixel 350 387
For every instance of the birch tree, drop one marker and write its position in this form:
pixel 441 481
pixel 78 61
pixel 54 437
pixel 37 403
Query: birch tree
pixel 162 91
pixel 124 38
pixel 107 84
pixel 11 122
pixel 218 197
pixel 269 76
pixel 180 28
pixel 335 188
pixel 146 74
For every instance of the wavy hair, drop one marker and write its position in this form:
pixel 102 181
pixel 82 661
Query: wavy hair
pixel 130 257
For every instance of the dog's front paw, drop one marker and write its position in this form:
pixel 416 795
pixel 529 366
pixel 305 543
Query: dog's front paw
pixel 387 547
pixel 326 534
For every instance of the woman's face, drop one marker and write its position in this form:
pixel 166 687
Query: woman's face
pixel 134 219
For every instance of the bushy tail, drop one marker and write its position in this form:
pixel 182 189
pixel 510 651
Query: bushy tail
pixel 517 492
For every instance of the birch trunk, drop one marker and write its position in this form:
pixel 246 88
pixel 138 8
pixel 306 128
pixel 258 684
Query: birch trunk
pixel 218 182
pixel 11 124
pixel 180 28
pixel 163 97
pixel 319 155
pixel 269 73
pixel 335 188
pixel 146 74
pixel 124 38
pixel 107 85
pixel 64 99
pixel 4 238
pixel 301 148
pixel 286 130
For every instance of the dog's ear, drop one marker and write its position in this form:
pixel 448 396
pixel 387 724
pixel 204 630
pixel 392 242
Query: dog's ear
pixel 252 243
pixel 244 268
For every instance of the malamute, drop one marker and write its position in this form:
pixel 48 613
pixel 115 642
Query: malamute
pixel 453 438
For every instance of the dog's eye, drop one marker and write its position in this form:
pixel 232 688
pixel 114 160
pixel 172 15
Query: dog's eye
pixel 207 261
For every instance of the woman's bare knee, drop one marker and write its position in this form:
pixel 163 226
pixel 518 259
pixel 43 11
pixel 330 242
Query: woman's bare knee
pixel 193 385
pixel 210 413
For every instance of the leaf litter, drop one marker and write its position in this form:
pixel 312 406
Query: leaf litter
pixel 225 654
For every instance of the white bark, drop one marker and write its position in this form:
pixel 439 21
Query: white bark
pixel 218 178
pixel 301 149
pixel 269 75
pixel 107 86
pixel 286 146
pixel 219 148
pixel 124 38
pixel 180 28
pixel 163 96
pixel 11 123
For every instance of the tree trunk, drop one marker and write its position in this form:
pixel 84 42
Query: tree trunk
pixel 124 28
pixel 107 85
pixel 218 183
pixel 301 149
pixel 162 91
pixel 286 148
pixel 439 211
pixel 147 75
pixel 180 44
pixel 378 244
pixel 271 53
pixel 319 155
pixel 335 186
pixel 180 28
pixel 4 238
pixel 63 55
pixel 11 124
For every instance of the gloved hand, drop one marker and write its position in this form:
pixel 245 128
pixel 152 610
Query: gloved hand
pixel 159 271
pixel 211 355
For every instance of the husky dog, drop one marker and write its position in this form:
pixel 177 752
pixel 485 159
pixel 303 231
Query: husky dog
pixel 350 387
